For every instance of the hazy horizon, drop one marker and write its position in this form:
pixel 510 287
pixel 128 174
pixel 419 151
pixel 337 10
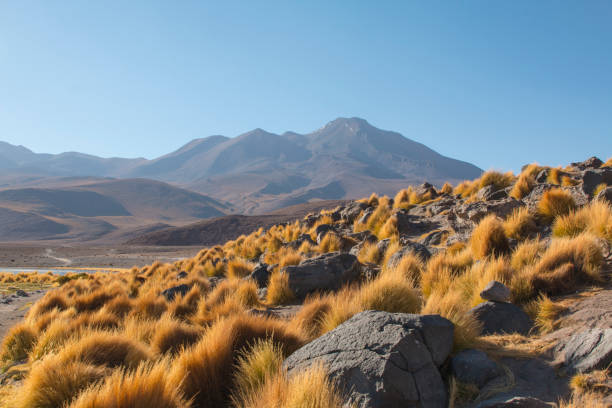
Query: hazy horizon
pixel 496 85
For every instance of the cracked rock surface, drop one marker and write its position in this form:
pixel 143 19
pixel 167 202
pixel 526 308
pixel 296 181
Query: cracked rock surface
pixel 384 359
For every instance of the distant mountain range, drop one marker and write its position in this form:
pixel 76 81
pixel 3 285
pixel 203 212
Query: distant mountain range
pixel 260 171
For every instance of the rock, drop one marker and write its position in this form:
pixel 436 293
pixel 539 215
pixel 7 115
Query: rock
pixel 384 359
pixel 363 236
pixel 352 211
pixel 261 275
pixel 426 188
pixel 542 176
pixel 516 402
pixel 605 194
pixel 474 367
pixel 590 163
pixel 434 238
pixel 496 291
pixel 407 247
pixel 490 192
pixel 326 272
pixel 262 293
pixel 323 229
pixel 21 293
pixel 411 225
pixel 588 350
pixel 498 317
pixel 181 275
pixel 366 215
pixel 592 178
pixel 382 245
pixel 171 293
pixel 478 210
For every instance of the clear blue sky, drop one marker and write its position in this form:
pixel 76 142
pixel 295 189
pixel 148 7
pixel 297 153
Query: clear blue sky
pixel 496 83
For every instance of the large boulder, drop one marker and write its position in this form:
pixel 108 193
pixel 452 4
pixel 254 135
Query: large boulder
pixel 474 367
pixel 326 272
pixel 592 178
pixel 407 247
pixel 590 163
pixel 261 275
pixel 180 290
pixel 479 209
pixel 490 192
pixel 352 211
pixel 496 291
pixel 588 350
pixel 384 359
pixel 499 317
pixel 605 194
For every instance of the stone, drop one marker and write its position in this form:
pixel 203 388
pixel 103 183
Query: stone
pixel 490 192
pixel 542 176
pixel 181 275
pixel 172 292
pixel 21 293
pixel 479 209
pixel 605 194
pixel 329 271
pixel 366 215
pixel 323 229
pixel 352 211
pixel 474 367
pixel 261 275
pixel 588 350
pixel 590 163
pixel 434 238
pixel 498 318
pixel 407 247
pixel 383 359
pixel 592 178
pixel 496 291
pixel 516 402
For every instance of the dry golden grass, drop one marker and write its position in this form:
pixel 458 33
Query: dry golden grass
pixel 391 293
pixel 587 400
pixel 51 300
pixel 608 163
pixel 369 253
pixel 172 335
pixel 521 224
pixel 149 305
pixel 238 268
pixel 489 238
pixel 526 253
pixel 310 318
pixel 447 188
pixel 410 267
pixel 279 292
pixel 523 185
pixel 595 218
pixel 496 179
pixel 545 313
pixel 17 343
pixel 376 220
pixel 147 386
pixel 290 257
pixel 309 388
pixel 53 383
pixel 555 202
pixel 389 228
pixel 205 371
pixel 330 243
pixel 597 381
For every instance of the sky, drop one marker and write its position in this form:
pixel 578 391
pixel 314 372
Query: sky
pixel 496 83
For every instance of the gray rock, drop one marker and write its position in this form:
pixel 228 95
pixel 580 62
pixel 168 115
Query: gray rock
pixel 366 215
pixel 384 359
pixel 363 236
pixel 352 211
pixel 474 367
pixel 262 293
pixel 326 272
pixel 382 245
pixel 496 291
pixel 261 275
pixel 21 293
pixel 605 194
pixel 542 176
pixel 407 247
pixel 498 317
pixel 516 402
pixel 478 210
pixel 590 163
pixel 490 192
pixel 322 230
pixel 181 275
pixel 588 350
pixel 412 225
pixel 592 178
pixel 171 293
pixel 434 238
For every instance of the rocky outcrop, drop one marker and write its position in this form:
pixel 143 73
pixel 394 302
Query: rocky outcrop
pixel 588 350
pixel 326 272
pixel 180 290
pixel 384 359
pixel 261 275
pixel 594 177
pixel 474 367
pixel 499 317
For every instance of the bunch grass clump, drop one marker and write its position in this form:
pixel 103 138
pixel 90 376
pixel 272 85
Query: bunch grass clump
pixel 489 238
pixel 556 202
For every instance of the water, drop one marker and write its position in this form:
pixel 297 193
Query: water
pixel 55 271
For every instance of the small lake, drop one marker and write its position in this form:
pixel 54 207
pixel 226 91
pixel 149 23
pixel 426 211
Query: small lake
pixel 60 271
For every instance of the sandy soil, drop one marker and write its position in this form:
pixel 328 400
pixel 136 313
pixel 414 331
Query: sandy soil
pixel 33 256
pixel 13 308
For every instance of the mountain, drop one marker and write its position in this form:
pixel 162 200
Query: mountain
pixel 100 210
pixel 258 171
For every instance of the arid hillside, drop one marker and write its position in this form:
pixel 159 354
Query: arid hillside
pixel 493 293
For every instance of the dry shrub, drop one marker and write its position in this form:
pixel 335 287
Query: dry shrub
pixel 309 388
pixel 442 268
pixel 205 371
pixel 447 188
pixel 565 264
pixel 94 300
pixel 309 319
pixel 183 306
pixel 279 292
pixel 17 343
pixel 595 218
pixel 526 253
pixel 149 305
pixel 545 313
pixel 106 349
pixel 119 306
pixel 489 238
pixel 389 228
pixel 369 253
pixel 390 293
pixel 238 268
pixel 51 300
pixel 409 267
pixel 521 224
pixel 53 383
pixel 496 179
pixel 452 306
pixel 523 186
pixel 147 386
pixel 171 335
pixel 556 202
pixel 290 258
pixel 330 243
